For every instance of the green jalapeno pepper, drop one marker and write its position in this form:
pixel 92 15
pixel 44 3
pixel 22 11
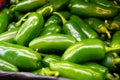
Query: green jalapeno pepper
pixel 115 40
pixel 51 29
pixel 48 9
pixel 86 50
pixel 8 36
pixel 90 33
pixel 30 28
pixel 89 9
pixel 50 58
pixel 100 68
pixel 28 5
pixel 71 28
pixel 54 43
pixel 98 25
pixel 111 60
pixel 55 19
pixel 24 58
pixel 75 71
pixel 6 66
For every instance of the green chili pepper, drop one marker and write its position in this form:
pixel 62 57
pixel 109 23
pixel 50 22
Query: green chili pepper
pixel 98 25
pixel 24 58
pixel 8 36
pixel 100 68
pixel 75 71
pixel 90 33
pixel 71 28
pixel 50 58
pixel 18 15
pixel 54 43
pixel 55 19
pixel 48 9
pixel 51 29
pixel 115 24
pixel 30 28
pixel 115 41
pixel 111 60
pixel 29 5
pixel 86 50
pixel 11 26
pixel 89 9
pixel 6 66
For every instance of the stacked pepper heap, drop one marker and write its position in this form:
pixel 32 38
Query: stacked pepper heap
pixel 75 39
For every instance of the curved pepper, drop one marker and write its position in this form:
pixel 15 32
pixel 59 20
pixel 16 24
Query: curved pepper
pixel 75 71
pixel 86 50
pixel 98 25
pixel 30 28
pixel 71 28
pixel 6 66
pixel 28 5
pixel 24 58
pixel 54 43
pixel 87 30
pixel 89 9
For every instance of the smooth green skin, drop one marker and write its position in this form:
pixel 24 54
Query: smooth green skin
pixel 4 21
pixel 55 19
pixel 115 40
pixel 111 60
pixel 6 66
pixel 97 67
pixel 54 43
pixel 30 29
pixel 85 9
pixel 29 5
pixel 8 36
pixel 73 29
pixel 51 29
pixel 86 29
pixel 75 71
pixel 86 50
pixel 50 58
pixel 56 5
pixel 24 58
pixel 11 26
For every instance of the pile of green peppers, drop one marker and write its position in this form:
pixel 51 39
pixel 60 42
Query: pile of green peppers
pixel 74 39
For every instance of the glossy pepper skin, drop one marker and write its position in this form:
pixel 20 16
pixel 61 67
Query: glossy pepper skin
pixel 8 36
pixel 86 50
pixel 24 58
pixel 89 9
pixel 51 29
pixel 100 68
pixel 98 25
pixel 6 66
pixel 30 28
pixel 75 71
pixel 71 28
pixel 29 5
pixel 87 30
pixel 115 40
pixel 50 58
pixel 55 19
pixel 54 43
pixel 52 6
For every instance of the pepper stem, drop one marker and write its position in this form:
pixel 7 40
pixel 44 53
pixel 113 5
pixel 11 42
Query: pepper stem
pixel 109 49
pixel 45 10
pixel 114 25
pixel 116 61
pixel 110 76
pixel 62 18
pixel 22 19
